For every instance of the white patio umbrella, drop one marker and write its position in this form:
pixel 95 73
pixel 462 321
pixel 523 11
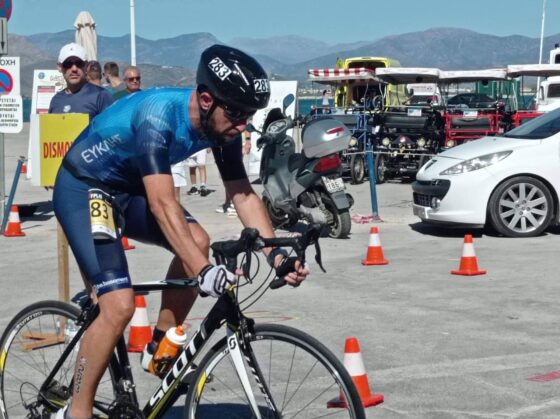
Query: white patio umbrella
pixel 86 35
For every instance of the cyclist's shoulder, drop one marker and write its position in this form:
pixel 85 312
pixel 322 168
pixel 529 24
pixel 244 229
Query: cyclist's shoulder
pixel 168 103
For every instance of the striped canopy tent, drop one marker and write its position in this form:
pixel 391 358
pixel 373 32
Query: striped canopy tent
pixel 341 75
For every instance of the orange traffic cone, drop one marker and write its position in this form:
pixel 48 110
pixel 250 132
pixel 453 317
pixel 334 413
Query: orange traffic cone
pixel 14 227
pixel 125 244
pixel 140 331
pixel 355 365
pixel 469 264
pixel 374 254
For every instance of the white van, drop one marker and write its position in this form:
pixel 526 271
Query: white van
pixel 548 96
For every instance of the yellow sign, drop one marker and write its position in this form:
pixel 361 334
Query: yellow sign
pixel 57 133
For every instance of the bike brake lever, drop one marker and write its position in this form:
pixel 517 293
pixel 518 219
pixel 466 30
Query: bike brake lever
pixel 247 266
pixel 318 256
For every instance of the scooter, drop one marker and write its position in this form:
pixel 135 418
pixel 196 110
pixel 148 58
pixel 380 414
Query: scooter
pixel 307 185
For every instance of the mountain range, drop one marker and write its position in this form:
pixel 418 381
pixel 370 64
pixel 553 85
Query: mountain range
pixel 172 61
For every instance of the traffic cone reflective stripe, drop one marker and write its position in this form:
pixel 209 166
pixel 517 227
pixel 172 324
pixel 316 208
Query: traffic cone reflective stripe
pixel 125 244
pixel 469 264
pixel 140 331
pixel 354 363
pixel 374 254
pixel 13 229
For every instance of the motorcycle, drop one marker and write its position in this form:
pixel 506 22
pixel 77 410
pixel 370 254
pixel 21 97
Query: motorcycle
pixel 304 186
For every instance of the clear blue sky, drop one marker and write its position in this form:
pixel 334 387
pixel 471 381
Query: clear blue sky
pixel 331 21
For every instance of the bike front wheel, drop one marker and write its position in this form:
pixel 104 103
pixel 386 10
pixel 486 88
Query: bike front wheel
pixel 30 347
pixel 301 374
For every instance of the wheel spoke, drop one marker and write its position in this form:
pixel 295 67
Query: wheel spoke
pixel 536 202
pixel 506 214
pixel 538 211
pixel 532 193
pixel 532 220
pixel 507 203
pixel 512 194
pixel 514 221
pixel 523 223
pixel 522 189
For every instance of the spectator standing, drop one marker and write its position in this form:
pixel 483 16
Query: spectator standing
pixel 198 161
pixel 325 102
pixel 179 178
pixel 79 95
pixel 111 73
pixel 93 72
pixel 132 80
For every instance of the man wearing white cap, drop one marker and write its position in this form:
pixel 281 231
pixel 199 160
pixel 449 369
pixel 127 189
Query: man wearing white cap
pixel 80 96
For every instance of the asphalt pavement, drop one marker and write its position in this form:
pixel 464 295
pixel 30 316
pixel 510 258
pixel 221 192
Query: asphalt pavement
pixel 434 344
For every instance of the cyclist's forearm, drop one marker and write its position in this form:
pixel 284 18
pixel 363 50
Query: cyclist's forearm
pixel 177 232
pixel 170 218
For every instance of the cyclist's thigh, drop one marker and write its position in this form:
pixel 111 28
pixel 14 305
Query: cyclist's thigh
pixel 102 261
pixel 140 224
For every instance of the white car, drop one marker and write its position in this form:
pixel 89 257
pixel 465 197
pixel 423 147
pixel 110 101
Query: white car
pixel 511 182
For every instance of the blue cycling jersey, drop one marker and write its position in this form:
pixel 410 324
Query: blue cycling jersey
pixel 141 134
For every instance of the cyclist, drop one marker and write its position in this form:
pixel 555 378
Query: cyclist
pixel 117 175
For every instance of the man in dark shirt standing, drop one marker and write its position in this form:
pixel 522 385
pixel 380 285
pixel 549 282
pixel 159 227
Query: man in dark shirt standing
pixel 79 95
pixel 132 79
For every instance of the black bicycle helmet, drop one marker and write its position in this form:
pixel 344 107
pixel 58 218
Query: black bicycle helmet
pixel 234 78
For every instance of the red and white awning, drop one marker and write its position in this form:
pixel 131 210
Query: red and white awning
pixel 334 75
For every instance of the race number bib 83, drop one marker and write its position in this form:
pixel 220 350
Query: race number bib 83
pixel 101 215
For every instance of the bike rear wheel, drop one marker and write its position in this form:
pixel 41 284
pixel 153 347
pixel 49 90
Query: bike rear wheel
pixel 31 345
pixel 300 372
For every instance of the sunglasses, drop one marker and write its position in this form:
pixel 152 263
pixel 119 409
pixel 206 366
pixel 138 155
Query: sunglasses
pixel 133 78
pixel 235 115
pixel 68 64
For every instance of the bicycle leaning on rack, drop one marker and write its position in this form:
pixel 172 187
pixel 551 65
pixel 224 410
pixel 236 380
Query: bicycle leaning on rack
pixel 256 370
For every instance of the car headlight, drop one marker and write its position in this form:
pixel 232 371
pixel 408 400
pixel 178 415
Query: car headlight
pixel 421 142
pixel 476 163
pixel 450 143
pixel 386 141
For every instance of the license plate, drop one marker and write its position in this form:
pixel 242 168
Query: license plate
pixel 333 185
pixel 470 114
pixel 420 211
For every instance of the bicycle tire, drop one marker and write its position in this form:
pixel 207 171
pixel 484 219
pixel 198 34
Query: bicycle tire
pixel 30 346
pixel 311 377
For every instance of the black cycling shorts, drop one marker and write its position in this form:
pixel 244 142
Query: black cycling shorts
pixel 103 261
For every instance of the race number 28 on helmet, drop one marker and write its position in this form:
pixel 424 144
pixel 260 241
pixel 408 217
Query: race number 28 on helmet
pixel 237 81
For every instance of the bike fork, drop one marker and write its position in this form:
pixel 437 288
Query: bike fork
pixel 237 358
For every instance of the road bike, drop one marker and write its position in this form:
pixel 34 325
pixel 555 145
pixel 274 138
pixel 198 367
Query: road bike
pixel 256 370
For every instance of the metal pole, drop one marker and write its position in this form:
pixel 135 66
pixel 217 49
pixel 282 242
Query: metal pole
pixel 2 178
pixel 132 35
pixel 542 40
pixel 372 181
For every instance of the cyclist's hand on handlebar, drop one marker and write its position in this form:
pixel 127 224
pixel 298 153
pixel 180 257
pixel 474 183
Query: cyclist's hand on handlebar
pixel 215 280
pixel 292 271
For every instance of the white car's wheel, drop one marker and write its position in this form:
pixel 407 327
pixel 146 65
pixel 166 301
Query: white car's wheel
pixel 521 207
